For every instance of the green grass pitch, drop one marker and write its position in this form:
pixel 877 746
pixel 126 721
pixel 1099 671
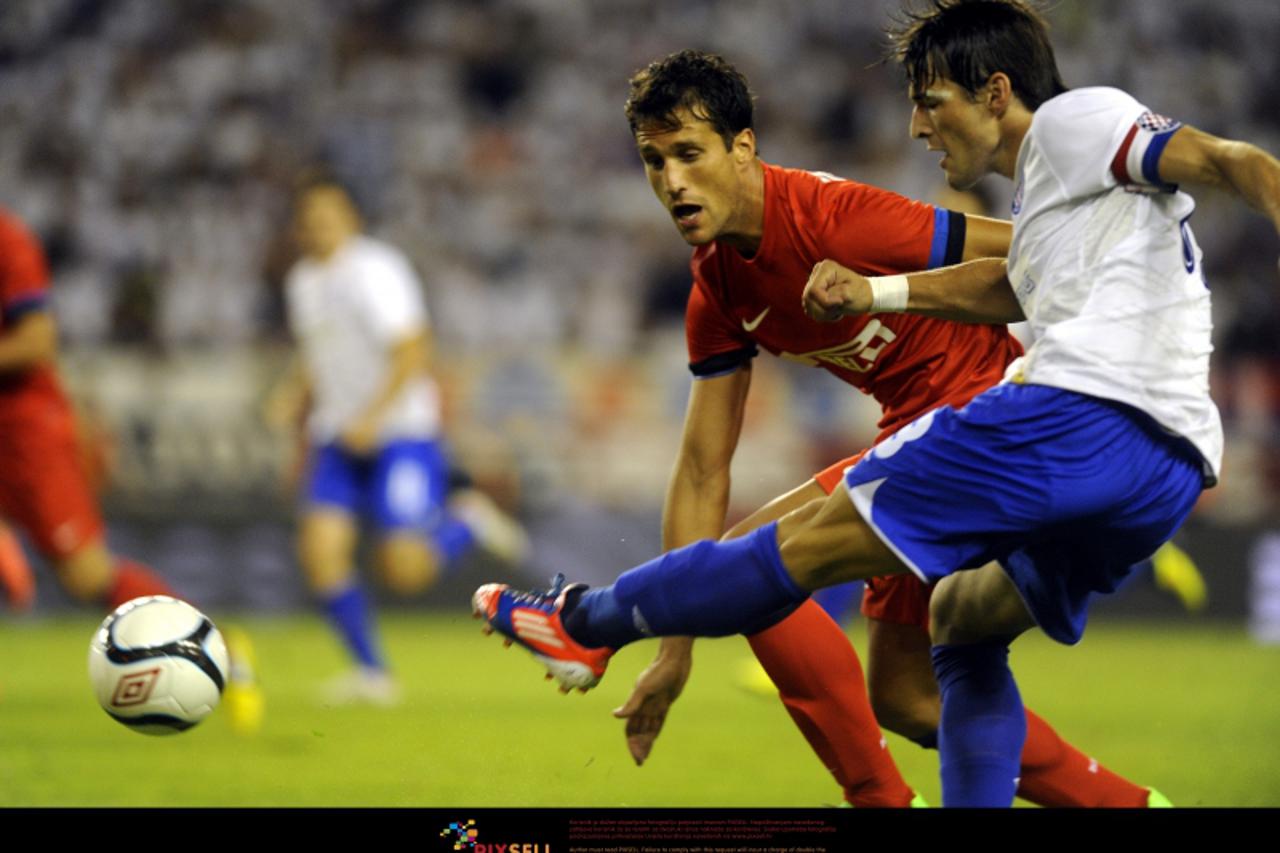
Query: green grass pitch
pixel 1191 708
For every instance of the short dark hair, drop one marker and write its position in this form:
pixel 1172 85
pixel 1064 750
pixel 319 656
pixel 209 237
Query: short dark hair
pixel 703 83
pixel 966 41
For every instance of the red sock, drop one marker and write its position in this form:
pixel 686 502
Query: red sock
pixel 16 580
pixel 1056 774
pixel 820 682
pixel 134 579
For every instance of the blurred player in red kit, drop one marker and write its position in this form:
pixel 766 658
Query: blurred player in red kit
pixel 44 489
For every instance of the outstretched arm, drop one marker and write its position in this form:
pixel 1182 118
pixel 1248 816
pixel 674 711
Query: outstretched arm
pixel 973 292
pixel 1195 157
pixel 696 503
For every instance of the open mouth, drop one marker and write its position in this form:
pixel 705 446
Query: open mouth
pixel 685 214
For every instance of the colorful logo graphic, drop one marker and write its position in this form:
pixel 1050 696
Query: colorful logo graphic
pixel 463 834
pixel 135 688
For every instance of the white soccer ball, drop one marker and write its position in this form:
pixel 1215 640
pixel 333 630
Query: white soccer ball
pixel 158 665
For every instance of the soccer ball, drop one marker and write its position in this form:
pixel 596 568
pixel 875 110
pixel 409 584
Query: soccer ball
pixel 158 665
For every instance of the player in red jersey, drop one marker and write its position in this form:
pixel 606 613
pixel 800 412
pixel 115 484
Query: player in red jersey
pixel 43 486
pixel 758 230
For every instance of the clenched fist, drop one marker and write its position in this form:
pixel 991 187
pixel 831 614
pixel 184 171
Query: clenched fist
pixel 834 291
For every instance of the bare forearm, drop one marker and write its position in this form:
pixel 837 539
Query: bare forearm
pixel 973 292
pixel 694 509
pixel 1254 175
pixel 1198 158
pixel 697 496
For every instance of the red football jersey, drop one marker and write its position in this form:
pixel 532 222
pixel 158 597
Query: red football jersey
pixel 32 393
pixel 908 363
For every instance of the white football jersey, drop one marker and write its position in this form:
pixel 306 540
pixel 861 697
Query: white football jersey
pixel 346 314
pixel 1106 268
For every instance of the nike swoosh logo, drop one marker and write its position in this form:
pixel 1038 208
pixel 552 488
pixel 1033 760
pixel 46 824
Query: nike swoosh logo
pixel 751 327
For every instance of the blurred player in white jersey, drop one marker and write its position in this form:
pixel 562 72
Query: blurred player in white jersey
pixel 355 307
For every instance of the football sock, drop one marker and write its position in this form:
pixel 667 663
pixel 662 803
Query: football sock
pixel 1056 774
pixel 820 682
pixel 133 579
pixel 707 589
pixel 16 578
pixel 983 725
pixel 452 538
pixel 352 617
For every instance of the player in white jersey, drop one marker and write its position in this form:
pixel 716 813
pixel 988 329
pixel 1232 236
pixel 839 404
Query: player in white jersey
pixel 1041 492
pixel 1106 270
pixel 355 307
pixel 1100 240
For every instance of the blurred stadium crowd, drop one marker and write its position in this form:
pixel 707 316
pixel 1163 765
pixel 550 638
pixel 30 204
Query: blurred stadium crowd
pixel 153 146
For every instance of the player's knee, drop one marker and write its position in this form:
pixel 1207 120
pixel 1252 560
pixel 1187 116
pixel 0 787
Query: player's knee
pixel 405 584
pixel 326 548
pixel 407 567
pixel 948 614
pixel 86 574
pixel 977 606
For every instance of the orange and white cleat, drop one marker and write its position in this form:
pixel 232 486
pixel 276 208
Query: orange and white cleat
pixel 532 619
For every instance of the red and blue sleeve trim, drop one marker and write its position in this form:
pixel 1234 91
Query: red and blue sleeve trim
pixel 22 306
pixel 1151 160
pixel 1137 160
pixel 947 247
pixel 1119 163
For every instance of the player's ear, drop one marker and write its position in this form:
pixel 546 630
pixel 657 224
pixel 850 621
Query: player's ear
pixel 998 93
pixel 743 148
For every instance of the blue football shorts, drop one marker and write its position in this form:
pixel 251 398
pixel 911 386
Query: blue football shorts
pixel 400 487
pixel 1066 491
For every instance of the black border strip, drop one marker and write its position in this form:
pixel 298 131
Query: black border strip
pixel 724 362
pixel 955 238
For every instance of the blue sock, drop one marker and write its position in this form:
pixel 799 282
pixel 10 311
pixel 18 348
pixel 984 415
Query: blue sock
pixel 707 589
pixel 983 725
pixel 351 615
pixel 453 538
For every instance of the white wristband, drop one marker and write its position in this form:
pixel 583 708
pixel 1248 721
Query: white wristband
pixel 889 294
